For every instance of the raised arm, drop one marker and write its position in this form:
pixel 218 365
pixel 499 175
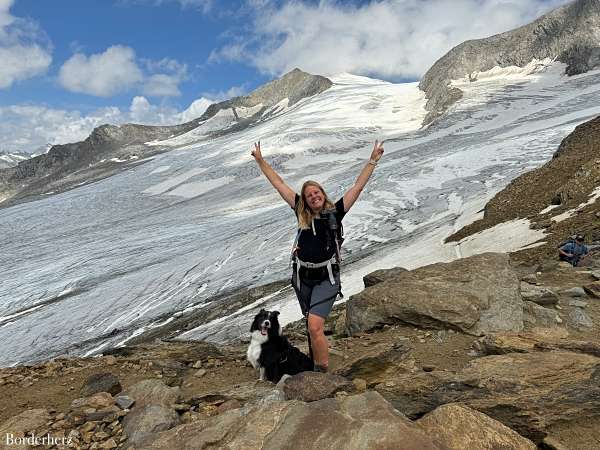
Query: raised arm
pixel 352 194
pixel 286 192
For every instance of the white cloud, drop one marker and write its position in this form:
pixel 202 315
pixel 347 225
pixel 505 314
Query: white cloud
pixel 234 91
pixel 102 74
pixel 196 109
pixel 394 39
pixel 204 6
pixel 117 70
pixel 28 127
pixel 25 51
pixel 164 84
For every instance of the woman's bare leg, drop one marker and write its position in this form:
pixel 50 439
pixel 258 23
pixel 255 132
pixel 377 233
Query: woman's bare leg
pixel 318 341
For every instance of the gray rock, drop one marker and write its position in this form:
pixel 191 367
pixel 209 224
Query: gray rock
pixel 24 422
pixel 536 315
pixel 357 422
pixel 251 392
pixel 313 386
pixel 531 278
pixel 577 303
pixel 100 382
pixel 528 392
pixel 142 423
pixel 124 401
pixel 378 276
pixel 538 294
pixel 578 319
pixel 568 33
pixel 596 274
pixel 477 295
pixel 457 427
pixel 375 364
pixel 153 392
pixel 574 292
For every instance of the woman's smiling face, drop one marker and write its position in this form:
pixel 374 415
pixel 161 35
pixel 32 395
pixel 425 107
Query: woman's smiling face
pixel 314 198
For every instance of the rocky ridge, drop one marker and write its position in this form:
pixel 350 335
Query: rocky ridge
pixel 569 34
pixel 108 147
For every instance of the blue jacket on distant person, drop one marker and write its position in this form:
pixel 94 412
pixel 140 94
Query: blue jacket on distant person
pixel 573 251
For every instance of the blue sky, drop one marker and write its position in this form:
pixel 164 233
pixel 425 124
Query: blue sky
pixel 67 66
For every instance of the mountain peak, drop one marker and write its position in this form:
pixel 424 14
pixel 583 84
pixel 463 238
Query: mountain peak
pixel 570 34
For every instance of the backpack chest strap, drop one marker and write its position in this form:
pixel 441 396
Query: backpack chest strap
pixel 309 265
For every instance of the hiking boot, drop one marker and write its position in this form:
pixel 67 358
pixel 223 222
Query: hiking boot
pixel 320 368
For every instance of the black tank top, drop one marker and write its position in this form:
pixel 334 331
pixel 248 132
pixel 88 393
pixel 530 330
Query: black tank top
pixel 316 247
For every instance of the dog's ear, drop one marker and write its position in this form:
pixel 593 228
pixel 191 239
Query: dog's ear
pixel 275 313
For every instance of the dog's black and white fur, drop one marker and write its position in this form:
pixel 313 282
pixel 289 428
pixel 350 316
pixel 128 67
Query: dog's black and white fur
pixel 270 352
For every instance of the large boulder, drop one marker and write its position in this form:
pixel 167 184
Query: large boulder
pixel 536 340
pixel 142 423
pixel 313 386
pixel 21 425
pixel 251 392
pixel 100 382
pixel 477 295
pixel 377 363
pixel 380 275
pixel 528 392
pixel 458 427
pixel 153 392
pixel 352 423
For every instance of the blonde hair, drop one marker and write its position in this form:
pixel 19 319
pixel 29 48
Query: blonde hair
pixel 303 212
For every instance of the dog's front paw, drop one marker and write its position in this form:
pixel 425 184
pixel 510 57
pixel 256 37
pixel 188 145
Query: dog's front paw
pixel 262 376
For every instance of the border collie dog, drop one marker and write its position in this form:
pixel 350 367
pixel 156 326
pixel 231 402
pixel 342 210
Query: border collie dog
pixel 270 352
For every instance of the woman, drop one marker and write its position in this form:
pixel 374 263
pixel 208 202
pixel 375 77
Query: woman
pixel 316 276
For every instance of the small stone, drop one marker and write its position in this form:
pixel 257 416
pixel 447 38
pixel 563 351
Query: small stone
pixel 200 373
pixel 110 443
pixel 88 426
pixel 359 384
pixel 101 435
pixel 428 368
pixel 577 303
pixel 74 435
pixel 197 365
pixel 181 407
pixel 124 401
pixel 575 292
pixel 210 410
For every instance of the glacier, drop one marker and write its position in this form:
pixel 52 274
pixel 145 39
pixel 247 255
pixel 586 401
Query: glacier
pixel 92 268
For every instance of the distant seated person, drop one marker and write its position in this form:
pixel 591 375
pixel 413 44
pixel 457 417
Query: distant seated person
pixel 573 251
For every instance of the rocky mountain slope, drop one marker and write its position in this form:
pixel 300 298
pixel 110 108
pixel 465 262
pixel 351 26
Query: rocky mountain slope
pixel 103 153
pixel 558 197
pixel 516 369
pixel 570 34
